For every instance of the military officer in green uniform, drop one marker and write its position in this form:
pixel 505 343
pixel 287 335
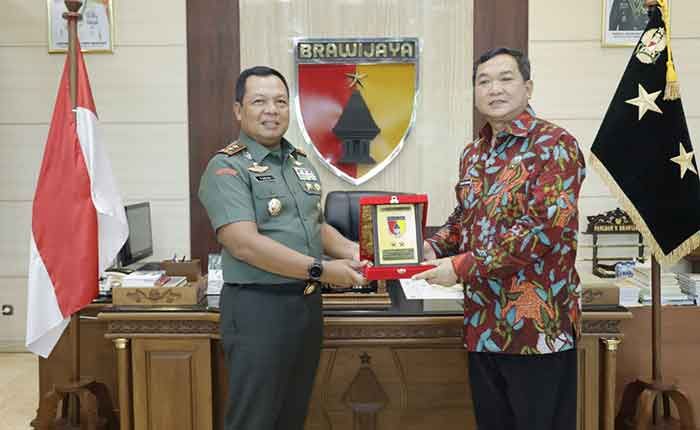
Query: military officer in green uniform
pixel 263 198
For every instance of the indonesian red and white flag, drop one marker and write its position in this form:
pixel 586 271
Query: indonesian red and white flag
pixel 78 221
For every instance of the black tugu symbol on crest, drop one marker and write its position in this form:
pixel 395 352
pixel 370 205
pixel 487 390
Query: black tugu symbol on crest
pixel 356 128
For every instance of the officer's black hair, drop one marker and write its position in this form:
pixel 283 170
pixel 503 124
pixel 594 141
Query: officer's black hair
pixel 520 58
pixel 256 71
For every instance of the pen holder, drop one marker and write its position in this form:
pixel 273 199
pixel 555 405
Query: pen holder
pixel 190 269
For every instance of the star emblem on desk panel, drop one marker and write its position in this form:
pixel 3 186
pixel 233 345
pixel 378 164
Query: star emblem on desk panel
pixel 684 160
pixel 645 101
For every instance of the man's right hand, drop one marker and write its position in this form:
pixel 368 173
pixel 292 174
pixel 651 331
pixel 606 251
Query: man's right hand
pixel 344 273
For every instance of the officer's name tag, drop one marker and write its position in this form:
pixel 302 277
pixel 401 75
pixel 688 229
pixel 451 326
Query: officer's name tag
pixel 305 174
pixel 265 178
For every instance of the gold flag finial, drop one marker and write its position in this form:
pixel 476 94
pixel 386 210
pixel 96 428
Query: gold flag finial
pixel 673 87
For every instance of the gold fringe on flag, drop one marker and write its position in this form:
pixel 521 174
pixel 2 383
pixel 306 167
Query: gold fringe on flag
pixel 673 87
pixel 685 248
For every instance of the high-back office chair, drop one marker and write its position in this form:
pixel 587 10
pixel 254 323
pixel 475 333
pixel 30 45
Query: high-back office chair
pixel 343 210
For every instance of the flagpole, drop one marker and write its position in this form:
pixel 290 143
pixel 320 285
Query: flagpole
pixel 656 372
pixel 61 187
pixel 73 16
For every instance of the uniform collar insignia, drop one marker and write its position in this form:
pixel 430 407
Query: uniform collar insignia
pixel 259 152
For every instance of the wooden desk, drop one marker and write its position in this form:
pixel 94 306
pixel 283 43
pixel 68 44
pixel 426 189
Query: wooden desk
pixel 407 363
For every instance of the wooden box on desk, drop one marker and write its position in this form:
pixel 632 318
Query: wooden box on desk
pixel 190 268
pixel 189 294
pixel 599 291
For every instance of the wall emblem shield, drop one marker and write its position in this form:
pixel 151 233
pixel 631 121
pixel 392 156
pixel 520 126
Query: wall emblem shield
pixel 355 100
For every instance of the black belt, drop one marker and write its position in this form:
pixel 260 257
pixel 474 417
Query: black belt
pixel 305 288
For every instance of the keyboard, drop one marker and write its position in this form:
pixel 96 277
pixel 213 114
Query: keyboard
pixel 151 265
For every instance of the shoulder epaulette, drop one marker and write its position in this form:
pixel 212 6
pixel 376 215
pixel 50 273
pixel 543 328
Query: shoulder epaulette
pixel 300 152
pixel 232 148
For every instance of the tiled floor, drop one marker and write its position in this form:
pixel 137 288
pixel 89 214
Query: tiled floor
pixel 19 390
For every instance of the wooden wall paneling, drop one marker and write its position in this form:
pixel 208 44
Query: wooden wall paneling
pixel 498 23
pixel 213 65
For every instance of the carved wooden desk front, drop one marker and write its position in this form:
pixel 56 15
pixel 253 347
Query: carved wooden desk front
pixel 399 368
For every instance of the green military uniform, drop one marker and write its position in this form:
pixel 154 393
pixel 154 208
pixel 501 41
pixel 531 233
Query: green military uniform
pixel 271 325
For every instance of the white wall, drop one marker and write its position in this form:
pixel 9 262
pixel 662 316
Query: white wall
pixel 140 93
pixel 575 78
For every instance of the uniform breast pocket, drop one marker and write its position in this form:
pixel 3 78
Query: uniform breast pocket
pixel 311 206
pixel 273 204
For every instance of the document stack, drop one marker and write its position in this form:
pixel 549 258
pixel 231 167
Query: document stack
pixel 629 292
pixel 151 278
pixel 690 284
pixel 671 293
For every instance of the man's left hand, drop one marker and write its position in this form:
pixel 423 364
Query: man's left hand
pixel 443 274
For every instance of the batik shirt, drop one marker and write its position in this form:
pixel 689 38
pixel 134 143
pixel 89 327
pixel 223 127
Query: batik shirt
pixel 512 238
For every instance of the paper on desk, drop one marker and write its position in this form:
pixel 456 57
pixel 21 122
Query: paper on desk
pixel 420 289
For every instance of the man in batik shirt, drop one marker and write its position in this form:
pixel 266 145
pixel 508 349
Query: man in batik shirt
pixel 511 241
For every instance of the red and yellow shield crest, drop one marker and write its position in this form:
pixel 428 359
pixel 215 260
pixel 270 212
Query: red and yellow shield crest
pixel 356 101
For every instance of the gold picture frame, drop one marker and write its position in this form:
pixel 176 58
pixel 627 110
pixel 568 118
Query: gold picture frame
pixel 623 22
pixel 95 29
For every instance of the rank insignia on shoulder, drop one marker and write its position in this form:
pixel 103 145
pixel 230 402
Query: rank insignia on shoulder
pixel 232 148
pixel 300 152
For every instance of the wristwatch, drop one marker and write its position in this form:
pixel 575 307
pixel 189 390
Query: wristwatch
pixel 316 270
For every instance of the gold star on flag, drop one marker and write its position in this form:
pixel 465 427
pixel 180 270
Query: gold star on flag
pixel 685 160
pixel 645 101
pixel 356 79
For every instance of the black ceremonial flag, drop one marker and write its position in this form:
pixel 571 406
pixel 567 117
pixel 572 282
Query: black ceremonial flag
pixel 643 150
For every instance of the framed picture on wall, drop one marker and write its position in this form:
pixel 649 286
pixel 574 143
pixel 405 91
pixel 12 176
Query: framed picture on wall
pixel 95 29
pixel 624 22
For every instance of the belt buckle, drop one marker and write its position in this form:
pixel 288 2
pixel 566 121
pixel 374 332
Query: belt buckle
pixel 310 288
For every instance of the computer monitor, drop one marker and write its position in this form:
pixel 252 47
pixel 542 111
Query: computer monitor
pixel 139 244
